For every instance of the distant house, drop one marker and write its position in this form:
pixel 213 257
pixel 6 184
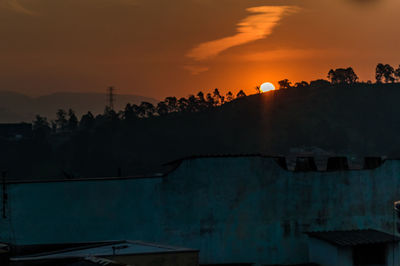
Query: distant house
pixel 15 131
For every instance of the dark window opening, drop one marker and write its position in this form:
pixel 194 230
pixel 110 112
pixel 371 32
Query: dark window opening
pixel 337 164
pixel 369 255
pixel 305 164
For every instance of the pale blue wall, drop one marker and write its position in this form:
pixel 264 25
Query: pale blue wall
pixel 244 209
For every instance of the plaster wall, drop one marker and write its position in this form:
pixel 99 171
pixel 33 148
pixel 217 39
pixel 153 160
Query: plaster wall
pixel 323 253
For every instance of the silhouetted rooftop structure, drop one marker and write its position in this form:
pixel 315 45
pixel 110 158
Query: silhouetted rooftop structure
pixel 355 237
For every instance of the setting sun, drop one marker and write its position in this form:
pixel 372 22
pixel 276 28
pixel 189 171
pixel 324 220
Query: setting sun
pixel 267 86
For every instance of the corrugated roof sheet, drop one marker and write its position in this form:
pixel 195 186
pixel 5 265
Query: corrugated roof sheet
pixel 354 237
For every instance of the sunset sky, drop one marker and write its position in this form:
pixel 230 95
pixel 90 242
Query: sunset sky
pixel 160 48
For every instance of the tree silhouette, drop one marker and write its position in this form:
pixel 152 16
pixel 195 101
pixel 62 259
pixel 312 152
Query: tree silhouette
pixel 61 120
pixel 379 70
pixel 141 110
pixel 241 94
pixel 147 109
pixel 301 84
pixel 41 128
pixel 182 104
pixel 87 121
pixel 342 76
pixel 389 74
pixel 67 122
pixel 397 73
pixel 258 90
pixel 72 120
pixel 385 72
pixel 210 100
pixel 162 109
pixel 200 96
pixel 110 115
pixel 192 104
pixel 217 97
pixel 53 126
pixel 229 96
pixel 202 104
pixel 320 83
pixel 172 104
pixel 130 112
pixel 284 84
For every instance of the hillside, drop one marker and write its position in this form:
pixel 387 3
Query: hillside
pixel 356 120
pixel 15 107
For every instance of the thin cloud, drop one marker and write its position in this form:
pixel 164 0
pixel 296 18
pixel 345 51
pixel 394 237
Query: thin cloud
pixel 16 6
pixel 195 70
pixel 254 27
pixel 287 54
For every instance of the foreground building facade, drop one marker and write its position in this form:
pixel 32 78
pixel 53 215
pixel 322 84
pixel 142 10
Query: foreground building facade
pixel 245 209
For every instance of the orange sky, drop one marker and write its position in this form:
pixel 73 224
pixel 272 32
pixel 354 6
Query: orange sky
pixel 160 48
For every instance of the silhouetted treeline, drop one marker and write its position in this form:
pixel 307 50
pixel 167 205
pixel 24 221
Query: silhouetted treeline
pixel 338 115
pixel 67 121
pixel 383 73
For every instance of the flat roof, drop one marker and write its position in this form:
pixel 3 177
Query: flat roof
pixel 354 237
pixel 121 248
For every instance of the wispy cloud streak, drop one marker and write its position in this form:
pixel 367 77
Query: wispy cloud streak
pixel 254 27
pixel 195 70
pixel 15 5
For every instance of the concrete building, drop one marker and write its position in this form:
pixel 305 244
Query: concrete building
pixel 233 209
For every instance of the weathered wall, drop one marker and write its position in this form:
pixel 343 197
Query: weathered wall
pixel 325 254
pixel 244 209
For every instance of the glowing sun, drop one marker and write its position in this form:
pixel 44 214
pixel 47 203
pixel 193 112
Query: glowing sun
pixel 267 86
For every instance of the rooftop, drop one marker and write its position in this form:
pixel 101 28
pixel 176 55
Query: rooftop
pixel 354 237
pixel 105 250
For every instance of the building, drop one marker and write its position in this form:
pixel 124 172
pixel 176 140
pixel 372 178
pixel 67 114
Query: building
pixel 123 253
pixel 354 247
pixel 245 209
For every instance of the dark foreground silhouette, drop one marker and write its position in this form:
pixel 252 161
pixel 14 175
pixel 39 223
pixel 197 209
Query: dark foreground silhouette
pixel 341 116
pixel 351 119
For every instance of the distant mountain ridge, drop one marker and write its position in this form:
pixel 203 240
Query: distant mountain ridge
pixel 17 107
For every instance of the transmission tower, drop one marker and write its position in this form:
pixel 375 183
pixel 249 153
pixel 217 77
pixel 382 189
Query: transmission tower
pixel 111 97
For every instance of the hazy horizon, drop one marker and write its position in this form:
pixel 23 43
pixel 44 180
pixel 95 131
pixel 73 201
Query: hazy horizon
pixel 105 92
